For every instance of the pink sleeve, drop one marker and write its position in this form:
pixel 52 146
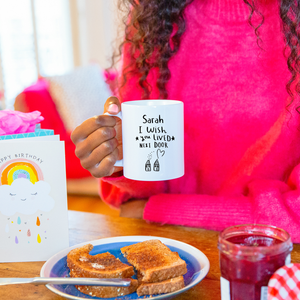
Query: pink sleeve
pixel 267 202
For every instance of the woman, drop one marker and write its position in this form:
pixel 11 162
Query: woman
pixel 235 65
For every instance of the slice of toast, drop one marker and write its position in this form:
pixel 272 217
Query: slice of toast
pixel 104 265
pixel 166 286
pixel 154 261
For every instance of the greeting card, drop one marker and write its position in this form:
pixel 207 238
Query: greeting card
pixel 33 197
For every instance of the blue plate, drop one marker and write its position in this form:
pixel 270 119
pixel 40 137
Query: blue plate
pixel 197 265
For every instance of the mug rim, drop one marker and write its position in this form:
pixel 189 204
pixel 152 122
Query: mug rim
pixel 152 102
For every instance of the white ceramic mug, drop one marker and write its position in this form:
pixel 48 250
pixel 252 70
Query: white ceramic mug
pixel 153 139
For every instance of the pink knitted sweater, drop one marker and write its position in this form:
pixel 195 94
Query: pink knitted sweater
pixel 242 147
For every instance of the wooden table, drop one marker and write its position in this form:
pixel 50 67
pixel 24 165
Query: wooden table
pixel 84 227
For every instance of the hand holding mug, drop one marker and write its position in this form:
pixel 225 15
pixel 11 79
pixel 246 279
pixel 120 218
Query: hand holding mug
pixel 149 144
pixel 152 139
pixel 98 141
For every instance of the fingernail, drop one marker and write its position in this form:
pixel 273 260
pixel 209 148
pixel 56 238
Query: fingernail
pixel 113 109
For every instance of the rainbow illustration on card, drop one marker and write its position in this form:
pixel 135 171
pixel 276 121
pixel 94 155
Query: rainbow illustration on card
pixel 23 188
pixel 23 192
pixel 20 168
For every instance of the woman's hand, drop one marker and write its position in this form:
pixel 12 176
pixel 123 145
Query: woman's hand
pixel 98 141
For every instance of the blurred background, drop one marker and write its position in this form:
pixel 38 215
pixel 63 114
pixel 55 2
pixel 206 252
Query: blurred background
pixel 50 38
pixel 53 56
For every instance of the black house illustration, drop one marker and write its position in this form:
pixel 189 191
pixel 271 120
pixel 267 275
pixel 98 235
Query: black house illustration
pixel 148 166
pixel 156 166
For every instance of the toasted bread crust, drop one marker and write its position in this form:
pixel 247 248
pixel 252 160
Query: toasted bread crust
pixel 166 286
pixel 108 291
pixel 103 265
pixel 154 261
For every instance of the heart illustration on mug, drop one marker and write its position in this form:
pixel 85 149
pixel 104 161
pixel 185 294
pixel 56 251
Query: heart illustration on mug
pixel 160 153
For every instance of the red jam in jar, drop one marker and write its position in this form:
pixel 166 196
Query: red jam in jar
pixel 249 255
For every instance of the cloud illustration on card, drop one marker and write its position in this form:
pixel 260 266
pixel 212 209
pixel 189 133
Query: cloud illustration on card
pixel 22 196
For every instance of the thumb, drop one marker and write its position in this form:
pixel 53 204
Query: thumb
pixel 112 105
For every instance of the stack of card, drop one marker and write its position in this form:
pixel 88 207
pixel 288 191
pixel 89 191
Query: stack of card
pixel 33 197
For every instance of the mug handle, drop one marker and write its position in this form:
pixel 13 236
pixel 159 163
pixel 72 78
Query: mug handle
pixel 118 163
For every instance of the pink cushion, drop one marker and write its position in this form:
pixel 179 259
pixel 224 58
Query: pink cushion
pixel 37 97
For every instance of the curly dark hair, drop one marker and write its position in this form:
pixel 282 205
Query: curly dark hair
pixel 153 29
pixel 290 16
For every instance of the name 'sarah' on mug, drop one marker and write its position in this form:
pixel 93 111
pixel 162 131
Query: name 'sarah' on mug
pixel 153 120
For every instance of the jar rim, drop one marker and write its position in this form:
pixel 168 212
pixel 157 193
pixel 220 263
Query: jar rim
pixel 254 229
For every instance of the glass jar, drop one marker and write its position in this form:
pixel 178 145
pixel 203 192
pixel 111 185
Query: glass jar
pixel 249 255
